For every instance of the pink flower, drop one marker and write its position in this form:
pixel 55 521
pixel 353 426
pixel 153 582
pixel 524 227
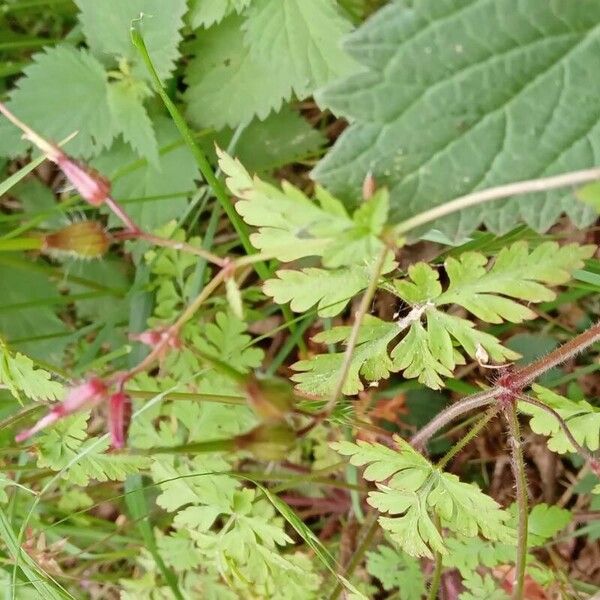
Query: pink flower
pixel 119 415
pixel 90 392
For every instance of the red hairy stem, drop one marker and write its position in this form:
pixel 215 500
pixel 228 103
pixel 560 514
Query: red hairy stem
pixel 522 378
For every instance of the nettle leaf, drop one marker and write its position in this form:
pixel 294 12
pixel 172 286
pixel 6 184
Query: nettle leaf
pixel 226 86
pixel 287 46
pixel 300 38
pixel 412 490
pixel 285 137
pixel 204 13
pixel 126 102
pixel 581 417
pixel 62 91
pixel 107 25
pixel 397 570
pixel 19 374
pixel 67 448
pixel 428 143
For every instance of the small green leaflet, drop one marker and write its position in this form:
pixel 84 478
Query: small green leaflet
pixel 432 336
pixel 581 417
pixel 19 374
pixel 292 226
pixel 411 490
pixel 468 554
pixel 482 587
pixel 397 570
pixel 66 448
pixel 429 144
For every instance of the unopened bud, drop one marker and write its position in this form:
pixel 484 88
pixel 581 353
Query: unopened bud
pixel 119 416
pixel 369 186
pixel 91 185
pixel 271 399
pixel 90 392
pixel 86 239
pixel 268 441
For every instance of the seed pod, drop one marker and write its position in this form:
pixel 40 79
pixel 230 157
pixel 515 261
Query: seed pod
pixel 86 240
pixel 268 441
pixel 271 399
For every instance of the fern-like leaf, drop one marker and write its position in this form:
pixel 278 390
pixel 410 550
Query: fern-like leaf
pixel 19 374
pixel 582 419
pixel 412 490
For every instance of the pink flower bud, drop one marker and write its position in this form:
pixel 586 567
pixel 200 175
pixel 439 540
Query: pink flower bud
pixel 90 392
pixel 92 186
pixel 119 407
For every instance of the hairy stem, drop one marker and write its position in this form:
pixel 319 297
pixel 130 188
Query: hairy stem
pixel 436 577
pixel 527 375
pixel 518 466
pixel 452 412
pixel 497 193
pixel 465 439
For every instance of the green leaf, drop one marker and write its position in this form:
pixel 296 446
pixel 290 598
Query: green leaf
pixel 300 38
pixel 331 290
pixel 125 99
pixel 292 226
pixel 427 124
pixel 288 46
pixel 516 273
pixel 20 375
pixel 370 359
pixel 582 419
pixel 63 91
pixel 176 174
pixel 289 223
pixel 204 13
pixel 414 490
pixel 545 521
pixel 106 26
pixel 285 137
pixel 29 293
pixel 65 448
pixel 226 86
pixel 397 570
pixel 482 587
